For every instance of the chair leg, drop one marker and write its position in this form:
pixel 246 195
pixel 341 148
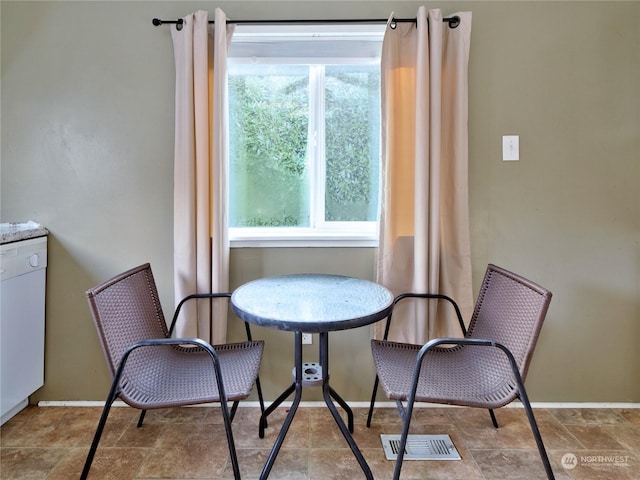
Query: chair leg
pixel 536 433
pixel 232 448
pixel 522 394
pixel 141 418
pixel 258 387
pixel 406 420
pixel 232 413
pixel 373 401
pixel 260 397
pixel 494 420
pixel 96 438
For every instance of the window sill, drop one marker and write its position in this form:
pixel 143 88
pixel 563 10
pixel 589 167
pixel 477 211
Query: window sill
pixel 280 239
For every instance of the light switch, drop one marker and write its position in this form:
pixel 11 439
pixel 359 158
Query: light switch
pixel 510 147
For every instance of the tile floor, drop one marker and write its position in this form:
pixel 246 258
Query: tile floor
pixel 188 443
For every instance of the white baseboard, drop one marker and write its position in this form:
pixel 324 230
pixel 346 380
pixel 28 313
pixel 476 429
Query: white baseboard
pixel 118 403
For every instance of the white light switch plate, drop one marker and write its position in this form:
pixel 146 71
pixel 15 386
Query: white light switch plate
pixel 510 148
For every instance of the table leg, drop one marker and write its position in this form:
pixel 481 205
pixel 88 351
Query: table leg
pixel 276 403
pixel 297 386
pixel 327 394
pixel 344 406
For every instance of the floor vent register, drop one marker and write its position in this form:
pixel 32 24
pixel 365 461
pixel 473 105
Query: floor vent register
pixel 420 447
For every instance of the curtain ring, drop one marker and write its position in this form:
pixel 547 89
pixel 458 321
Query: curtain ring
pixel 391 23
pixel 179 24
pixel 454 22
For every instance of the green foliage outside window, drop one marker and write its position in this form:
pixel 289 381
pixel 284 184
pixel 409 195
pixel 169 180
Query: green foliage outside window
pixel 352 150
pixel 269 117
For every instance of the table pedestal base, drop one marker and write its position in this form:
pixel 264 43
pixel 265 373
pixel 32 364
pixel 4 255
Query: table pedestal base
pixel 328 394
pixel 311 374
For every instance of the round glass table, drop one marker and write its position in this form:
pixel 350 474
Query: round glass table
pixel 311 303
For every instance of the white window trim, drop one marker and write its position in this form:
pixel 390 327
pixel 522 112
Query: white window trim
pixel 261 237
pixel 319 233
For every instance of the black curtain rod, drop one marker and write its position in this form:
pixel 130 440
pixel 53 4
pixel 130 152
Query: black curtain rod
pixel 452 21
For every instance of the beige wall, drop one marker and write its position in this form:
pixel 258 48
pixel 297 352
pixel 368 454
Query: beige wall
pixel 87 126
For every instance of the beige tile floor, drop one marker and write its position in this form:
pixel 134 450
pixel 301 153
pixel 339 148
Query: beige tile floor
pixel 188 443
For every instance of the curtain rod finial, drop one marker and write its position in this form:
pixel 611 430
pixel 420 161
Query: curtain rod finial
pixel 179 23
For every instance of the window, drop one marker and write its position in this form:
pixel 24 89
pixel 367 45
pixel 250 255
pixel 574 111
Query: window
pixel 304 136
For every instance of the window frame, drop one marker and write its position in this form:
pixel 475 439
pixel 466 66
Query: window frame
pixel 320 233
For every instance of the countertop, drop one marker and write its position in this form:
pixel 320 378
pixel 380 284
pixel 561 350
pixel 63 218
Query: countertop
pixel 16 231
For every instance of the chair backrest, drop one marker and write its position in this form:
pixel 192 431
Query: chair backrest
pixel 510 310
pixel 125 310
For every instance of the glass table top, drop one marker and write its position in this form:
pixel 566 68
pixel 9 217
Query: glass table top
pixel 311 302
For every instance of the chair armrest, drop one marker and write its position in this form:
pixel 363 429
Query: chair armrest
pixel 438 296
pixel 203 295
pixel 155 342
pixel 192 297
pixel 436 342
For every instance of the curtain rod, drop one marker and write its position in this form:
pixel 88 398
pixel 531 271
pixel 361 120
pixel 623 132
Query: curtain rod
pixel 452 21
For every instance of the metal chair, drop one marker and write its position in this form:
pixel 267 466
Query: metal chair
pixel 152 370
pixel 486 368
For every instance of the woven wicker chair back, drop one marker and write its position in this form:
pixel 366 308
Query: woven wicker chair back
pixel 126 309
pixel 510 310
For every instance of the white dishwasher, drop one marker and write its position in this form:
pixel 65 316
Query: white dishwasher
pixel 22 298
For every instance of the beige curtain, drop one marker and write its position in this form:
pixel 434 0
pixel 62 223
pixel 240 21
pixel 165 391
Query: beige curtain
pixel 424 225
pixel 201 244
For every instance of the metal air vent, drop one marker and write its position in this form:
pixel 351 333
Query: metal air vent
pixel 421 447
